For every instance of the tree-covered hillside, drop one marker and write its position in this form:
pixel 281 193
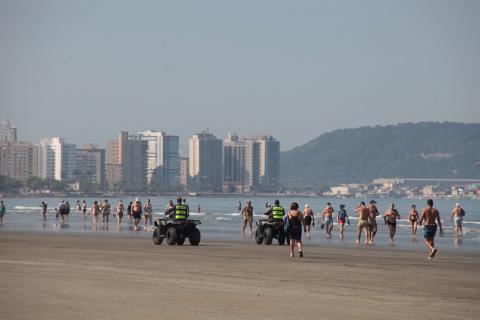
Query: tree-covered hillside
pixel 426 150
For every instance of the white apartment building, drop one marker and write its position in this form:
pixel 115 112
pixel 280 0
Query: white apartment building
pixel 56 159
pixel 163 166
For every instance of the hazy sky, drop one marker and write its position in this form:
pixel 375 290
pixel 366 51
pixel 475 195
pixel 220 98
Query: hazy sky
pixel 85 70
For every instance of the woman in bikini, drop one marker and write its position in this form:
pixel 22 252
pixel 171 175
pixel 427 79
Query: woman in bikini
pixel 413 220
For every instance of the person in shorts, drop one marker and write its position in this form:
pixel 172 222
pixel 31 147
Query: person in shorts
pixel 342 217
pixel 431 220
pixel 136 212
pixel 148 213
pixel 247 216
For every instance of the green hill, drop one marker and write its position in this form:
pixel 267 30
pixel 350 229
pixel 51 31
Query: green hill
pixel 426 150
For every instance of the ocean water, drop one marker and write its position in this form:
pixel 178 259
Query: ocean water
pixel 221 219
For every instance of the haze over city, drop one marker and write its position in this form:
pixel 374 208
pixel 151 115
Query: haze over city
pixel 85 70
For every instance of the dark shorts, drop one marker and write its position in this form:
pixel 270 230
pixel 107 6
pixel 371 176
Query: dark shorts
pixel 308 220
pixel 137 215
pixel 393 224
pixel 429 231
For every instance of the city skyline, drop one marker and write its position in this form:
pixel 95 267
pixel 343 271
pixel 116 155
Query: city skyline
pixel 68 66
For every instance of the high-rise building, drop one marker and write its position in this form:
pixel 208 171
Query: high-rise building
pixel 183 172
pixel 57 159
pixel 91 165
pixel 126 162
pixel 233 163
pixel 251 164
pixel 18 160
pixel 205 162
pixel 269 164
pixel 162 159
pixel 8 132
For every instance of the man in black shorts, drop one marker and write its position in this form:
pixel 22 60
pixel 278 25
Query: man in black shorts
pixel 309 218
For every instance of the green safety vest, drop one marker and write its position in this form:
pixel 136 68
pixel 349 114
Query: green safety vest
pixel 180 212
pixel 277 213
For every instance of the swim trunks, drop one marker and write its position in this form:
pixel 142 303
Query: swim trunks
pixel 458 221
pixel 429 231
pixel 341 220
pixel 373 225
pixel 328 220
pixel 308 220
pixel 137 215
pixel 363 223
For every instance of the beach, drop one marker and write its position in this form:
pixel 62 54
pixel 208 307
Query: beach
pixel 117 276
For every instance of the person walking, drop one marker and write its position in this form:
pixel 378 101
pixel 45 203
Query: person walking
pixel 296 221
pixel 95 211
pixel 3 211
pixel 106 209
pixel 413 220
pixel 148 213
pixel 43 211
pixel 119 211
pixel 342 217
pixel 137 212
pixel 372 220
pixel 431 220
pixel 84 208
pixel 309 218
pixel 129 212
pixel 328 219
pixel 247 216
pixel 457 218
pixel 363 213
pixel 67 211
pixel 390 216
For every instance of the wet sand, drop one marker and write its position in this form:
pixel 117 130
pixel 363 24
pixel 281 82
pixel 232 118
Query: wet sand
pixel 94 276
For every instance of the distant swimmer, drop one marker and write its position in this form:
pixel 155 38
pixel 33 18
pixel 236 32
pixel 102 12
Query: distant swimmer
pixel 247 216
pixel 78 206
pixel 295 218
pixel 43 210
pixel 239 206
pixel 457 218
pixel 328 219
pixel 3 211
pixel 198 208
pixel 342 217
pixel 106 209
pixel 413 220
pixel 363 213
pixel 372 220
pixel 119 211
pixel 431 219
pixel 309 218
pixel 390 216
pixel 148 213
pixel 95 211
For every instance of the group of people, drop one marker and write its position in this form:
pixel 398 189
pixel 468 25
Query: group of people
pixel 367 221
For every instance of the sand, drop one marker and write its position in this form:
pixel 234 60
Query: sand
pixel 95 276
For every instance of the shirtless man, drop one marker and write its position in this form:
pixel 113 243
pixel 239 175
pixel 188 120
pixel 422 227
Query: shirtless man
pixel 431 217
pixel 363 213
pixel 247 216
pixel 457 218
pixel 136 212
pixel 309 218
pixel 372 220
pixel 106 211
pixel 328 219
pixel 390 217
